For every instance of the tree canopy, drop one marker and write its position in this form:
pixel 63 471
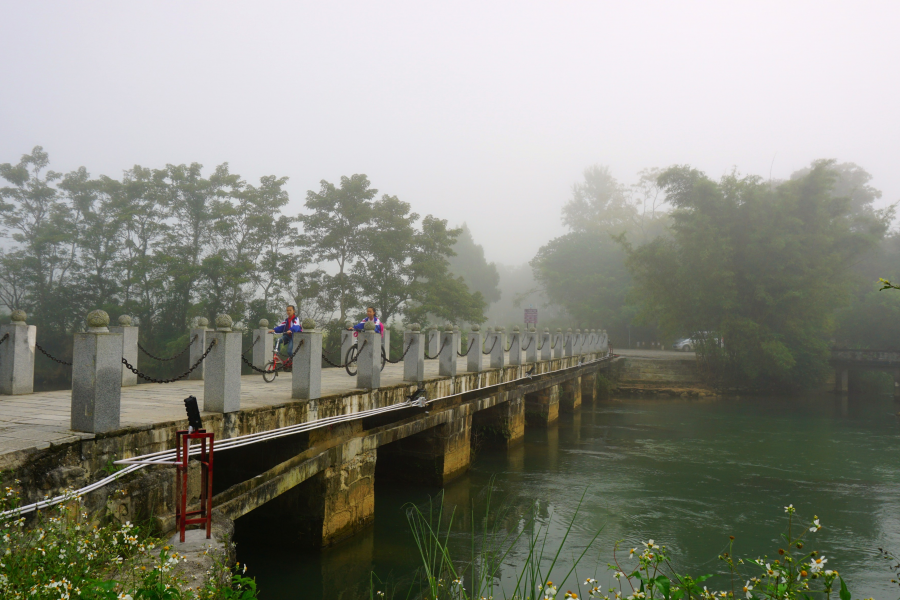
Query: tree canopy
pixel 763 265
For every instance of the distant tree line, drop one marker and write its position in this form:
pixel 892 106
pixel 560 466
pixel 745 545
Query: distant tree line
pixel 169 245
pixel 781 270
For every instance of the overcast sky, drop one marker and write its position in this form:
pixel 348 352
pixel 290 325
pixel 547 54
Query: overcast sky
pixel 484 112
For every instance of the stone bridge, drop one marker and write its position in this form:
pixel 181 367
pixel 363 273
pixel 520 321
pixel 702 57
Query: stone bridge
pixel 322 478
pixel 845 360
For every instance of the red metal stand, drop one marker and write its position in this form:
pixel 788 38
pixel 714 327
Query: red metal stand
pixel 182 458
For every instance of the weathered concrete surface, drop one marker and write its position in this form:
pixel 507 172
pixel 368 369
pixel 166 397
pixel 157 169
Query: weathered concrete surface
pixel 570 395
pixel 542 407
pixel 661 373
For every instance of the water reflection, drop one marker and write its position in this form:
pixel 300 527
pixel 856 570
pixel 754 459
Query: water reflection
pixel 687 473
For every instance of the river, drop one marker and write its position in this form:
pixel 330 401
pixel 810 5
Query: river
pixel 686 473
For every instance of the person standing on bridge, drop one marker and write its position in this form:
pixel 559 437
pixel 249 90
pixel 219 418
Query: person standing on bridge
pixel 370 316
pixel 287 329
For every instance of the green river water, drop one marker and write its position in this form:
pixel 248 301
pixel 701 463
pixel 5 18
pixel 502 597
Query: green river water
pixel 686 473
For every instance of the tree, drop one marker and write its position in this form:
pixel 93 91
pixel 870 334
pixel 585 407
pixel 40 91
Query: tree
pixel 584 271
pixel 332 231
pixel 385 271
pixel 763 265
pixel 469 263
pixel 439 293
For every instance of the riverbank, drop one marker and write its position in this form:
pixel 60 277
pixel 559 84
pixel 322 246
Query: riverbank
pixel 659 373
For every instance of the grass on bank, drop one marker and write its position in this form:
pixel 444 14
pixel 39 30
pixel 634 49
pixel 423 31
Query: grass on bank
pixel 794 572
pixel 59 554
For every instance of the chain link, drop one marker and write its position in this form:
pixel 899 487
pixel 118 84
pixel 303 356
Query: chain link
pixel 251 345
pixel 466 353
pixel 492 346
pixel 188 347
pixel 182 376
pixel 51 357
pixel 528 345
pixel 402 356
pixel 441 349
pixel 326 359
pixel 4 338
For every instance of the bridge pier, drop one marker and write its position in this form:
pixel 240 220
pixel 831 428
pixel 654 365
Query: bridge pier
pixel 542 407
pixel 588 387
pixel 348 492
pixel 433 456
pixel 503 424
pixel 841 381
pixel 570 395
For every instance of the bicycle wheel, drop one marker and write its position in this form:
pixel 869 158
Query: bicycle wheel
pixel 350 360
pixel 270 374
pixel 383 359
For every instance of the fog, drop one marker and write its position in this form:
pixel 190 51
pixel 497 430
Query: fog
pixel 483 113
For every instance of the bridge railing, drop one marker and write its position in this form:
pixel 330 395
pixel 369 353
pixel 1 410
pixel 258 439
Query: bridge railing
pixel 107 358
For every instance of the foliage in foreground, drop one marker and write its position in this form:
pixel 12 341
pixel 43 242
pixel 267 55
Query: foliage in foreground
pixel 62 556
pixel 794 573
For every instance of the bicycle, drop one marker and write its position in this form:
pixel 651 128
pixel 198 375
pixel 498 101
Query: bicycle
pixel 353 354
pixel 277 364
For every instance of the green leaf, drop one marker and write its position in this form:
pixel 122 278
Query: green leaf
pixel 845 593
pixel 662 583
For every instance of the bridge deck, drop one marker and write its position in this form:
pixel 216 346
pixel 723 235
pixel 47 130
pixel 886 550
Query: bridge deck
pixel 41 419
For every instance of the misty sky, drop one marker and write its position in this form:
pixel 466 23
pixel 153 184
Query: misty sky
pixel 484 112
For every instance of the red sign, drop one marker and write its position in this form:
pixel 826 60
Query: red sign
pixel 531 315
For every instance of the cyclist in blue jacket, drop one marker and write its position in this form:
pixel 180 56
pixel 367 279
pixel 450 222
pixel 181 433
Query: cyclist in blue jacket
pixel 370 316
pixel 287 329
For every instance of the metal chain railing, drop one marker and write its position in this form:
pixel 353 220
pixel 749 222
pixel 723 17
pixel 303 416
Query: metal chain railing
pixel 402 356
pixel 466 353
pixel 51 357
pixel 492 346
pixel 528 345
pixel 555 342
pixel 441 349
pixel 4 338
pixel 326 359
pixel 251 345
pixel 180 377
pixel 188 347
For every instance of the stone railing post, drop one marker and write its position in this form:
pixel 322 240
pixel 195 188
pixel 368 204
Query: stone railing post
pixel 347 340
pixel 498 348
pixel 531 345
pixel 591 341
pixel 368 362
pixel 578 344
pixel 447 359
pixel 96 376
pixel 222 381
pixel 263 344
pixel 17 355
pixel 414 361
pixel 432 342
pixel 515 347
pixel 306 374
pixel 457 338
pixel 473 358
pixel 129 348
pixel 559 348
pixel 386 340
pixel 546 345
pixel 198 347
pixel 569 345
pixel 604 343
